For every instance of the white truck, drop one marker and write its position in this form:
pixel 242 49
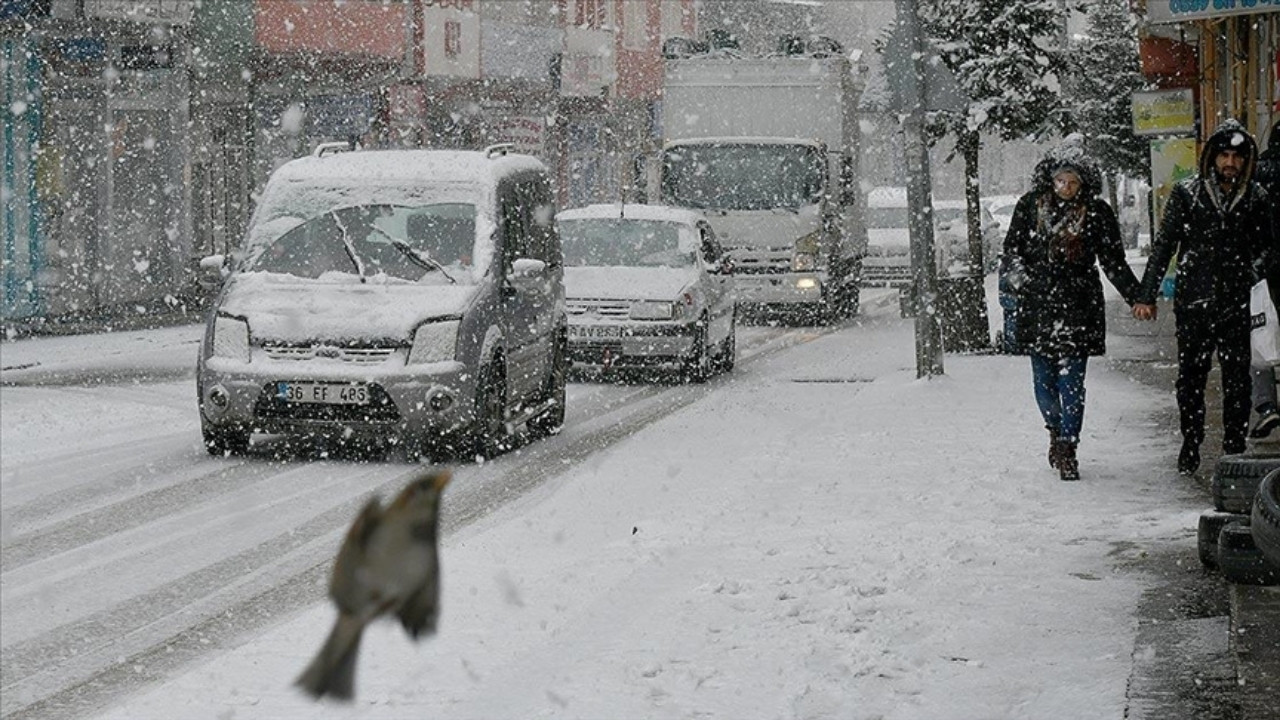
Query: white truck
pixel 768 149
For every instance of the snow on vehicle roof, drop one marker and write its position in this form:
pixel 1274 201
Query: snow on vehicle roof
pixel 744 140
pixel 661 213
pixel 440 165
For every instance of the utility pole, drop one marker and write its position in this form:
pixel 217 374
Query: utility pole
pixel 919 194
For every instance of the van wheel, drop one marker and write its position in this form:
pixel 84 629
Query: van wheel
pixel 550 422
pixel 489 436
pixel 221 442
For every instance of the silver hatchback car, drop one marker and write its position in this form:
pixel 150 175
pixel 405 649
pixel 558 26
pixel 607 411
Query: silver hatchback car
pixel 647 287
pixel 410 294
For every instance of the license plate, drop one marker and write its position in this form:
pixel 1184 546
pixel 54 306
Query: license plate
pixel 323 393
pixel 590 332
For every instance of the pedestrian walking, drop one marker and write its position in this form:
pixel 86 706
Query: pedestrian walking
pixel 1218 224
pixel 1059 234
pixel 1263 379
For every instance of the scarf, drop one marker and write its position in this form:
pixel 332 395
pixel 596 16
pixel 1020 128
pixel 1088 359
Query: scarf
pixel 1062 222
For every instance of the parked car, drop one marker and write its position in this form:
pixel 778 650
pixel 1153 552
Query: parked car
pixel 1000 207
pixel 888 260
pixel 952 222
pixel 405 293
pixel 647 286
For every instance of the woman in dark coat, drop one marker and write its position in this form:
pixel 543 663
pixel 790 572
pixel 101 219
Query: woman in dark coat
pixel 1059 234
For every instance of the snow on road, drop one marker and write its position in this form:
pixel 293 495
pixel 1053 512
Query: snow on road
pixel 821 535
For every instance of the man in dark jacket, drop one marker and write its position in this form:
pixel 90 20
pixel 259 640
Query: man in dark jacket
pixel 1219 224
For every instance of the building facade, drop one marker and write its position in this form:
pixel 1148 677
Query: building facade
pixel 139 130
pixel 94 152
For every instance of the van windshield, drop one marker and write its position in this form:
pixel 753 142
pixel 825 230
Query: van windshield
pixel 417 243
pixel 743 176
pixel 616 242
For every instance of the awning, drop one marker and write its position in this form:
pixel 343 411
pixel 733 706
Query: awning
pixel 1173 11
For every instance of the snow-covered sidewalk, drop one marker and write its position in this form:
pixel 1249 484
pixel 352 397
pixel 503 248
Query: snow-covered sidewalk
pixel 825 536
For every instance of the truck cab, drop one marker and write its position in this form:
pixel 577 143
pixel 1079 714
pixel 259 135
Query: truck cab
pixel 773 203
pixel 766 148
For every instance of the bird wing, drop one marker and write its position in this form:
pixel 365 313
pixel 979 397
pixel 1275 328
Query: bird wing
pixel 419 612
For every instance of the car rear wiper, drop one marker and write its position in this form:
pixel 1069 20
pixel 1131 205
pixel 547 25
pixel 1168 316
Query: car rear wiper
pixel 416 256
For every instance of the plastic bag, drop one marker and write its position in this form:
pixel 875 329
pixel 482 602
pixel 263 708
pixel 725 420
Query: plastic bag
pixel 1264 327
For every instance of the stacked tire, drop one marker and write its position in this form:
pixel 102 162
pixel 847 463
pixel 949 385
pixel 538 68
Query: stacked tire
pixel 1226 537
pixel 1265 521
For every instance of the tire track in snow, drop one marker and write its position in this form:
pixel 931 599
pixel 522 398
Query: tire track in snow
pixel 80 666
pixel 93 525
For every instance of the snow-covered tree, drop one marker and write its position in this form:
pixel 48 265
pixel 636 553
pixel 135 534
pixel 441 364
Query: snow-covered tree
pixel 1106 75
pixel 1008 60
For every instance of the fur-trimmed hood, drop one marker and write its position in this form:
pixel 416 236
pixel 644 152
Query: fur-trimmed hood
pixel 1069 154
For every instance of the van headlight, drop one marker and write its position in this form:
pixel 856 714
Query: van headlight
pixel 434 341
pixel 652 310
pixel 804 256
pixel 231 338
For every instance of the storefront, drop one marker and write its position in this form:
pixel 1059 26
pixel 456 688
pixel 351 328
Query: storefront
pixel 95 209
pixel 1236 44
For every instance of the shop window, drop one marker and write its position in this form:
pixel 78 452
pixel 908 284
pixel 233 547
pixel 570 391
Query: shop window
pixel 452 38
pixel 589 13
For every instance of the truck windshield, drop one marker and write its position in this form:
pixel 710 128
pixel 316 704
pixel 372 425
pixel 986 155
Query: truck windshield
pixel 742 176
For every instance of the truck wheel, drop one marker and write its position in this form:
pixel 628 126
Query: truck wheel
pixel 1236 479
pixel 852 297
pixel 224 441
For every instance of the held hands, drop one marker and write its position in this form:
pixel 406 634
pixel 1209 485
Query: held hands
pixel 1144 311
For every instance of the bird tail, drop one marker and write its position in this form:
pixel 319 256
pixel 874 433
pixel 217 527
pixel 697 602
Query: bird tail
pixel 333 670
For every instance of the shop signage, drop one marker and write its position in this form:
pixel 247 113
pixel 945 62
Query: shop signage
pixel 525 133
pixel 451 40
pixel 1164 112
pixel 1169 11
pixel 339 116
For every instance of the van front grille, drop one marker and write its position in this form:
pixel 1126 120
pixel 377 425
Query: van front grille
pixel 349 354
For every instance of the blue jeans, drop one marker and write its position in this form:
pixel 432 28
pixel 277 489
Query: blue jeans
pixel 1059 388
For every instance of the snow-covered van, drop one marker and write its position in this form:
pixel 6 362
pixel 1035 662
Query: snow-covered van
pixel 407 294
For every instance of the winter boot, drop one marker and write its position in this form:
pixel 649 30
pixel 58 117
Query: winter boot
pixel 1268 420
pixel 1068 466
pixel 1053 448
